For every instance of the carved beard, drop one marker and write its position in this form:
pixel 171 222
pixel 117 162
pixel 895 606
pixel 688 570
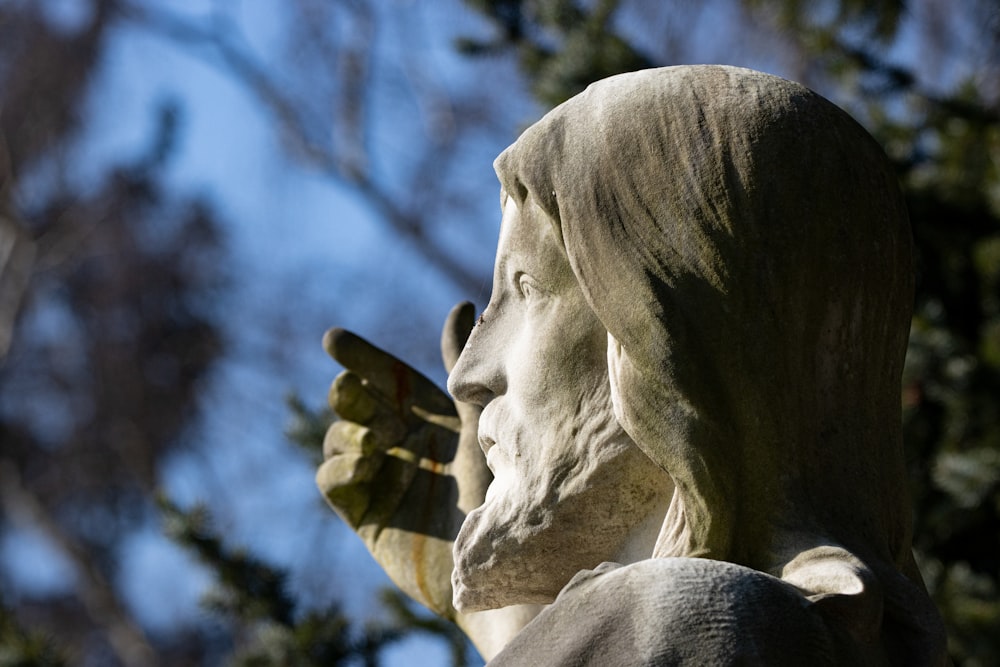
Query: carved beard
pixel 559 510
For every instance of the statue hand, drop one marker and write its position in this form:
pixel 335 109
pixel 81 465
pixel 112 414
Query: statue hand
pixel 403 464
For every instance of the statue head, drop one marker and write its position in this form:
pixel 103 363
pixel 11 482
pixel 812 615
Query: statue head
pixel 570 488
pixel 743 250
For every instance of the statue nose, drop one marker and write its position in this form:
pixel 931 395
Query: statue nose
pixel 478 376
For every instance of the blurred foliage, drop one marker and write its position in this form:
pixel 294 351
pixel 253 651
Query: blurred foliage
pixel 561 45
pixel 269 628
pixel 108 284
pixel 22 648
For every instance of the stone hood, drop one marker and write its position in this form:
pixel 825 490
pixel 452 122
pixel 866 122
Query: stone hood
pixel 746 246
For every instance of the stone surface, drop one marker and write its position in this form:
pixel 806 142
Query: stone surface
pixel 403 467
pixel 397 435
pixel 702 293
pixel 570 489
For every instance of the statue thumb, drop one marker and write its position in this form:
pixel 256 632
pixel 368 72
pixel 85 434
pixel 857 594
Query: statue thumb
pixel 456 332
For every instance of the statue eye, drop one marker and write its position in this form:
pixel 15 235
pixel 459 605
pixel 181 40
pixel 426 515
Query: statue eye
pixel 526 286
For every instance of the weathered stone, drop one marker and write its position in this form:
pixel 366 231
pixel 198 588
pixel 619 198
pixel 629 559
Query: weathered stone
pixel 689 367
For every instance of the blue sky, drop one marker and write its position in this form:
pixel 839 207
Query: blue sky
pixel 305 254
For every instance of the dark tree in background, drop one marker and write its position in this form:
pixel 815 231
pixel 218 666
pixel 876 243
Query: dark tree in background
pixel 109 287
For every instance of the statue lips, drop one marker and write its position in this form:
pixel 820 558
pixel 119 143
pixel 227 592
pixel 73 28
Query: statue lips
pixel 495 455
pixel 496 460
pixel 491 451
pixel 487 442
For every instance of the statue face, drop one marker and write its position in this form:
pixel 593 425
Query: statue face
pixel 570 487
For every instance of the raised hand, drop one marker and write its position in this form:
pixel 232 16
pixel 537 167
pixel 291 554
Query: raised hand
pixel 403 464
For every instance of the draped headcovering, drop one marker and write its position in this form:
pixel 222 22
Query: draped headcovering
pixel 746 246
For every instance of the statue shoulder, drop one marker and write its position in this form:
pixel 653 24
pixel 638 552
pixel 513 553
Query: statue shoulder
pixel 707 612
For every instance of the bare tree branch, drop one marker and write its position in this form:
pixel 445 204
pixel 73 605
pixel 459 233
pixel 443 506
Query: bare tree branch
pixel 900 79
pixel 17 260
pixel 309 138
pixel 107 612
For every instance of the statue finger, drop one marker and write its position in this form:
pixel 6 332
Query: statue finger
pixel 355 353
pixel 344 437
pixel 343 480
pixel 351 399
pixel 401 385
pixel 342 470
pixel 431 443
pixel 456 332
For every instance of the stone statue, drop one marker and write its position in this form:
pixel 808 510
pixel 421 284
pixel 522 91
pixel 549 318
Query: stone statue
pixel 689 379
